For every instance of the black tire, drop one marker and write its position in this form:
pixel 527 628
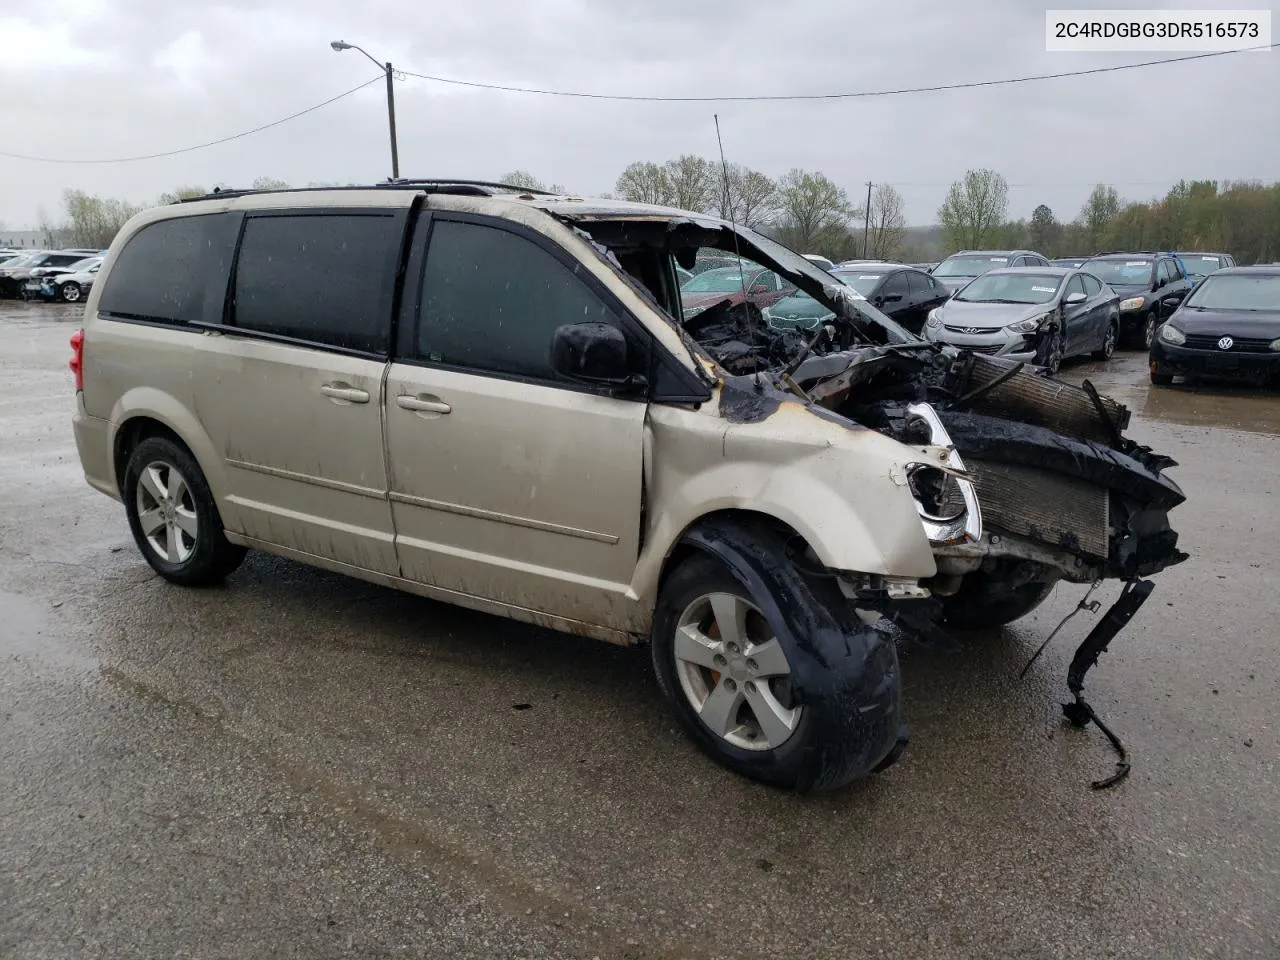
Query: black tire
pixel 1109 340
pixel 1050 352
pixel 69 292
pixel 1149 327
pixel 843 674
pixel 211 557
pixel 982 602
pixel 1162 379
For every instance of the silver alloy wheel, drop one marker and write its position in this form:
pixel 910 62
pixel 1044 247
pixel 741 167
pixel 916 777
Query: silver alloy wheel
pixel 166 512
pixel 1053 361
pixel 735 673
pixel 1109 342
pixel 71 292
pixel 1149 331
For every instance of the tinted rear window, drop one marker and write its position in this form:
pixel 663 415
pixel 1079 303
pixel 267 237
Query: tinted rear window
pixel 325 278
pixel 161 272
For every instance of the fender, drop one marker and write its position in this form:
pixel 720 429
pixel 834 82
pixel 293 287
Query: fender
pixel 164 408
pixel 841 667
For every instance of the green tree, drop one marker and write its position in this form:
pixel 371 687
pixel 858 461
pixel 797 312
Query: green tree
pixel 269 183
pixel 1096 215
pixel 694 182
pixel 1044 233
pixel 644 182
pixel 974 208
pixel 814 214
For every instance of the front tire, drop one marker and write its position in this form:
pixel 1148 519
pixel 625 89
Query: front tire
pixel 807 699
pixel 1149 329
pixel 1162 379
pixel 69 292
pixel 174 519
pixel 1051 351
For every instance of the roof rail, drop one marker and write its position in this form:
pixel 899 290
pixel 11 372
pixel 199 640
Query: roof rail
pixel 479 188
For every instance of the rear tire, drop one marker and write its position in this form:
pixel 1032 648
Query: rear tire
pixel 983 602
pixel 1108 348
pixel 810 701
pixel 1162 379
pixel 69 292
pixel 174 519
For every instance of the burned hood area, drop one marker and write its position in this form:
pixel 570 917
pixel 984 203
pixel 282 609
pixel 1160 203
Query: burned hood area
pixel 1064 494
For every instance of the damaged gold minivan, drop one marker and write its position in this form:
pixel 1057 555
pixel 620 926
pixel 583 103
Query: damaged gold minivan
pixel 494 398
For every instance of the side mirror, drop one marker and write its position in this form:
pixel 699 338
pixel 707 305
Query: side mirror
pixel 760 288
pixel 1172 303
pixel 592 353
pixel 1074 298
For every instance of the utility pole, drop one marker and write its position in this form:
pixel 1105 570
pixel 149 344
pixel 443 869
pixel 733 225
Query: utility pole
pixel 340 45
pixel 391 119
pixel 867 218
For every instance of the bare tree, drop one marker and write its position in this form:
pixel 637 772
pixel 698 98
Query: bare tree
pixel 94 221
pixel 269 183
pixel 750 199
pixel 523 179
pixel 814 212
pixel 181 193
pixel 974 207
pixel 644 183
pixel 694 182
pixel 887 224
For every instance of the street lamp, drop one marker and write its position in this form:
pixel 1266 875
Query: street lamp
pixel 339 46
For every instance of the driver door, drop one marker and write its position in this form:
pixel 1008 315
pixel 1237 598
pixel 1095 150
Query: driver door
pixel 508 482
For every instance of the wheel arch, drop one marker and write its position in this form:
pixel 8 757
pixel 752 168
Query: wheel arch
pixel 147 412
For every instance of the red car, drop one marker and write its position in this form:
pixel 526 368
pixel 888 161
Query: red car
pixel 706 289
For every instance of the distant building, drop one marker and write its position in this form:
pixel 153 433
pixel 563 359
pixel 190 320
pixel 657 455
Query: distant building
pixel 17 239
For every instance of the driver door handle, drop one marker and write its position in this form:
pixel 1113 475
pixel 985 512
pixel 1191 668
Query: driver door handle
pixel 340 392
pixel 423 403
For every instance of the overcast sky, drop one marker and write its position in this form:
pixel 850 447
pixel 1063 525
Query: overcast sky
pixel 89 79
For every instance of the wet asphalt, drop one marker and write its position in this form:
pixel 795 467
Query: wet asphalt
pixel 302 765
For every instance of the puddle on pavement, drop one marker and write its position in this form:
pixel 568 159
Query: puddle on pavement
pixel 32 633
pixel 1234 407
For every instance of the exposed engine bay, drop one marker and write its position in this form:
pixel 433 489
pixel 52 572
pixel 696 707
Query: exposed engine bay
pixel 1063 494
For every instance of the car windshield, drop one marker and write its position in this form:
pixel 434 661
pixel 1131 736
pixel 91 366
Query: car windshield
pixel 1011 288
pixel 1239 291
pixel 969 265
pixel 1134 273
pixel 721 280
pixel 863 281
pixel 80 266
pixel 1201 265
pixel 1066 262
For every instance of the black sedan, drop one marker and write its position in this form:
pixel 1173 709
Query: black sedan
pixel 1227 329
pixel 904 293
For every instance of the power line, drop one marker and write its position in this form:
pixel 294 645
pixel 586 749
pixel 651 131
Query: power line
pixel 198 146
pixel 827 96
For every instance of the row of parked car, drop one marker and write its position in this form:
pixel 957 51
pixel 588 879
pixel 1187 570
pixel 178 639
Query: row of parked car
pixel 1022 306
pixel 63 275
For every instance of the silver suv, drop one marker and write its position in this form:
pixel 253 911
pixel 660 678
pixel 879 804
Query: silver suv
pixel 488 397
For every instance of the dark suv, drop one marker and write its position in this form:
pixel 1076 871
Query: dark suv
pixel 1148 283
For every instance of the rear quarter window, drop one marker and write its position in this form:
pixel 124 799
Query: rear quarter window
pixel 163 270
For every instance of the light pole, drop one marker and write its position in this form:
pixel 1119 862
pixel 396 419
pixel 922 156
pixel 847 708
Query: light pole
pixel 340 45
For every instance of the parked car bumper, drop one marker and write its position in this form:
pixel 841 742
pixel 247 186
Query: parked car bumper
pixel 1215 364
pixel 998 342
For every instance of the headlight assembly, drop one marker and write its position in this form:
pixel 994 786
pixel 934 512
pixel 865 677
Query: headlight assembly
pixel 1171 334
pixel 947 504
pixel 1275 345
pixel 1133 303
pixel 1030 325
pixel 934 319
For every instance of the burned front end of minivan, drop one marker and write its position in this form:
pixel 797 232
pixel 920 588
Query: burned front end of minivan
pixel 1023 480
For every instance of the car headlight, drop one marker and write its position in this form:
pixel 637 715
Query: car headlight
pixel 1171 334
pixel 1133 303
pixel 934 320
pixel 1030 325
pixel 947 504
pixel 1275 345
pixel 766 313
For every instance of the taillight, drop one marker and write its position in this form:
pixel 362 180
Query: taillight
pixel 77 358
